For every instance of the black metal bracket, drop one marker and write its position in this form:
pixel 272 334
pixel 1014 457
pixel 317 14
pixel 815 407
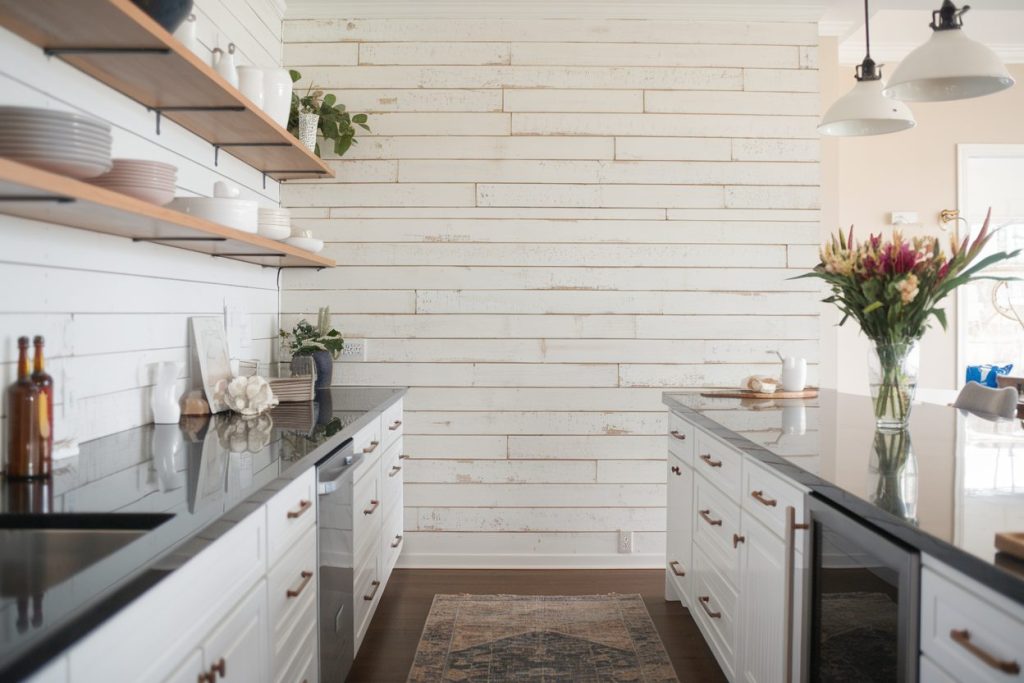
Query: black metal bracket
pixel 218 145
pixel 36 198
pixel 179 239
pixel 160 110
pixel 248 253
pixel 57 51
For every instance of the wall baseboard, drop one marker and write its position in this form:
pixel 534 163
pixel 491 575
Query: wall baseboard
pixel 546 561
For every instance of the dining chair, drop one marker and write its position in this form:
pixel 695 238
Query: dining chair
pixel 976 398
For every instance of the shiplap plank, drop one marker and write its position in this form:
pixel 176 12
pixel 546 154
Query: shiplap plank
pixel 554 446
pixel 574 100
pixel 458 446
pixel 298 55
pixel 704 102
pixel 655 54
pixel 535 495
pixel 631 471
pixel 483 147
pixel 781 80
pixel 478 374
pixel 670 125
pixel 437 100
pixel 460 54
pixel 535 423
pixel 379 194
pixel 745 149
pixel 483 326
pixel 673 149
pixel 439 123
pixel 500 472
pixel 534 519
pixel 516 398
pixel 611 196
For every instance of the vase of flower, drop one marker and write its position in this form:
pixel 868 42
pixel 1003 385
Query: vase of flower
pixel 892 376
pixel 319 345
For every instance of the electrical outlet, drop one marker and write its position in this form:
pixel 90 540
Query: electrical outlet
pixel 354 351
pixel 625 541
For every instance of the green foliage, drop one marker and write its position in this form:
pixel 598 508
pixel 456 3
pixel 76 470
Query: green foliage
pixel 335 124
pixel 305 339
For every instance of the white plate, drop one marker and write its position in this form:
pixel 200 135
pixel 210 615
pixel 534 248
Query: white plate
pixel 144 164
pixel 35 113
pixel 234 213
pixel 162 187
pixel 44 136
pixel 146 194
pixel 68 167
pixel 310 244
pixel 72 147
pixel 273 232
pixel 115 173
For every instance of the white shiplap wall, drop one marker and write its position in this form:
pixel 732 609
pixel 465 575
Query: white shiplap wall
pixel 552 221
pixel 108 307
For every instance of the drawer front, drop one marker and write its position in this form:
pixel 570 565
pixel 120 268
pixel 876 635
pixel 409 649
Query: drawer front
pixel 299 669
pixel 296 641
pixel 679 509
pixel 971 638
pixel 930 672
pixel 368 442
pixel 680 438
pixel 367 587
pixel 391 424
pixel 290 513
pixel 291 584
pixel 766 496
pixel 719 463
pixel 391 540
pixel 367 510
pixel 392 476
pixel 714 608
pixel 716 527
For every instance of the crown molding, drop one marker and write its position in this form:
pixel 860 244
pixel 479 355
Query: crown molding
pixel 882 53
pixel 702 10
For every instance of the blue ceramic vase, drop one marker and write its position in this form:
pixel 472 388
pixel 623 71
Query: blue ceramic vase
pixel 168 13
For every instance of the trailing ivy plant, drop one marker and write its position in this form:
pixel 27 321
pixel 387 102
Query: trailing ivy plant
pixel 335 123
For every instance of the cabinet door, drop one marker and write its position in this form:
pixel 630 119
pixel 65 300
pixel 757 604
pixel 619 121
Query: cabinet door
pixel 189 670
pixel 762 605
pixel 679 508
pixel 237 648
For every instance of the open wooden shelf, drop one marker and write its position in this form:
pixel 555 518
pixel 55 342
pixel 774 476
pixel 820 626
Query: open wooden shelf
pixel 40 195
pixel 120 45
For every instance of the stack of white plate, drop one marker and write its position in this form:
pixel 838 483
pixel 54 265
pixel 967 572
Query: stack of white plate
pixel 150 181
pixel 275 223
pixel 57 141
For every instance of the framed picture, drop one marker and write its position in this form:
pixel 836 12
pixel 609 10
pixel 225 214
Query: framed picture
pixel 210 357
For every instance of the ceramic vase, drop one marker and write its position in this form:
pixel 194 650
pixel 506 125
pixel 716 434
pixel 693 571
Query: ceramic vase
pixel 277 95
pixel 164 399
pixel 308 129
pixel 324 368
pixel 250 84
pixel 224 64
pixel 892 372
pixel 167 13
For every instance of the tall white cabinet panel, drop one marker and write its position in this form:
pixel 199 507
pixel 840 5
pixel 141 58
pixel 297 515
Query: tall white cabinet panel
pixel 762 611
pixel 679 567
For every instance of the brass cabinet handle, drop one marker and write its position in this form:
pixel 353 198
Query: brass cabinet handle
pixel 369 596
pixel 304 506
pixel 221 667
pixel 404 457
pixel 676 470
pixel 713 463
pixel 962 637
pixel 675 566
pixel 395 469
pixel 395 425
pixel 704 600
pixel 294 592
pixel 374 504
pixel 206 677
pixel 397 542
pixel 759 497
pixel 706 516
pixel 676 435
pixel 737 539
pixel 372 447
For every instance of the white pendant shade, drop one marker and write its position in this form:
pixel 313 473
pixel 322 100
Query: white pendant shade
pixel 949 66
pixel 865 111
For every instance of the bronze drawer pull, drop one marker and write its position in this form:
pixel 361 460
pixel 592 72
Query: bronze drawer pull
pixel 675 566
pixel 221 667
pixel 397 542
pixel 374 504
pixel 372 593
pixel 704 600
pixel 706 516
pixel 294 592
pixel 372 447
pixel 395 469
pixel 676 470
pixel 962 637
pixel 759 497
pixel 404 457
pixel 737 539
pixel 713 463
pixel 304 506
pixel 395 425
pixel 206 677
pixel 676 435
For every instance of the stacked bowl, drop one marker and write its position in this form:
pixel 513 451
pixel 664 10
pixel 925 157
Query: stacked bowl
pixel 275 223
pixel 150 181
pixel 58 141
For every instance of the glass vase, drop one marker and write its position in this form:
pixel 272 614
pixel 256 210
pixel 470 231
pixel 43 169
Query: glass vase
pixel 894 472
pixel 892 372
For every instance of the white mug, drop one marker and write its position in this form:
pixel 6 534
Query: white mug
pixel 794 373
pixel 250 84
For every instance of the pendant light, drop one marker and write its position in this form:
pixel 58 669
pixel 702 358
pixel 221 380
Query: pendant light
pixel 864 110
pixel 949 66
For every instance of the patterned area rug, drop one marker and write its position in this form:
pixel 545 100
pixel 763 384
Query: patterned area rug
pixel 540 639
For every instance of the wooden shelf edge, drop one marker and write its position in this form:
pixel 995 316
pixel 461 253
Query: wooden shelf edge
pixel 52 184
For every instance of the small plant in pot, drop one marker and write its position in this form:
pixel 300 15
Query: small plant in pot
pixel 316 113
pixel 320 342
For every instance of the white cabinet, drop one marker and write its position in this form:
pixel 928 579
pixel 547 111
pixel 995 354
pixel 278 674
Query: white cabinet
pixel 237 649
pixel 762 605
pixel 678 565
pixel 189 670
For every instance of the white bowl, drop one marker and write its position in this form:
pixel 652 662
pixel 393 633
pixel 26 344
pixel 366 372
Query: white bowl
pixel 240 214
pixel 310 244
pixel 274 232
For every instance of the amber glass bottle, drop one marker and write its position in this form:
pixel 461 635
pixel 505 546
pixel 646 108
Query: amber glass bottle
pixel 23 455
pixel 44 383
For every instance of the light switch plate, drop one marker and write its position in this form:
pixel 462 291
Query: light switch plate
pixel 903 218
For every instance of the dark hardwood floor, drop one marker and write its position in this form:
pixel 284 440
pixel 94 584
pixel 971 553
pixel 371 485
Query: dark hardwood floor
pixel 390 644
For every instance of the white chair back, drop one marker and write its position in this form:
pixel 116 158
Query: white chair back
pixel 976 398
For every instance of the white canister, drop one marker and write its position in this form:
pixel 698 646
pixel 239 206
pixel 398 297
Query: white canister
pixel 277 95
pixel 186 34
pixel 794 373
pixel 224 64
pixel 250 84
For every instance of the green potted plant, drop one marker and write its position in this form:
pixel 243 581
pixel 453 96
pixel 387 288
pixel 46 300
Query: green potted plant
pixel 315 113
pixel 321 342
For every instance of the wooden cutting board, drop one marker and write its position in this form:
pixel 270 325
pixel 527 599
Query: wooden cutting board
pixel 809 392
pixel 1011 543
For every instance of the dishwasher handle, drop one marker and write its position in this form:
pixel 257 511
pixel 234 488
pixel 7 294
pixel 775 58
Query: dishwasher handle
pixel 334 468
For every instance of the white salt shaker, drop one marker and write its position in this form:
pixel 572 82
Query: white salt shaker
pixel 794 373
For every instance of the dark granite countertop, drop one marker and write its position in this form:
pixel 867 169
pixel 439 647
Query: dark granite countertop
pixel 194 481
pixel 957 486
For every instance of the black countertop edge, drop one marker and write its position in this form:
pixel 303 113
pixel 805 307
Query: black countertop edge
pixel 986 573
pixel 20 663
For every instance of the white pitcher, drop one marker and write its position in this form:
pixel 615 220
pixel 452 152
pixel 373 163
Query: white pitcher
pixel 224 64
pixel 794 373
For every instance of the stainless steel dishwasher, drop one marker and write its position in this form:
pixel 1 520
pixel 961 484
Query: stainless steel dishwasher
pixel 334 548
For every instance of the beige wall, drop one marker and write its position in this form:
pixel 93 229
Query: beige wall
pixel 864 179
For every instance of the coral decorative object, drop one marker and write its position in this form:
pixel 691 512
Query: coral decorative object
pixel 247 396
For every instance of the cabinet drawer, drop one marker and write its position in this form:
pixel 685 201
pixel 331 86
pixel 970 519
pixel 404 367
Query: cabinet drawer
pixel 367 511
pixel 766 497
pixel 719 463
pixel 367 441
pixel 299 668
pixel 391 540
pixel 966 635
pixel 291 584
pixel 290 513
pixel 680 438
pixel 392 477
pixel 714 608
pixel 716 526
pixel 366 587
pixel 930 672
pixel 391 424
pixel 298 638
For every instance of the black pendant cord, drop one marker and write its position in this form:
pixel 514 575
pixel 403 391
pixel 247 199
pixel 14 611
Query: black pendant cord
pixel 867 70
